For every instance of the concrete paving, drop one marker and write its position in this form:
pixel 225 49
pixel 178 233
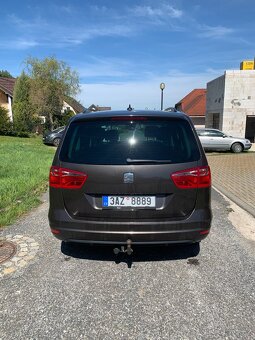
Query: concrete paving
pixel 234 176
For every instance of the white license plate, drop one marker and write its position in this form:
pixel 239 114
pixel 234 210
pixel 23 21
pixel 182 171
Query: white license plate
pixel 129 201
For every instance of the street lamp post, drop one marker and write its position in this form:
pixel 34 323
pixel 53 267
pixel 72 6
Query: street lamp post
pixel 162 86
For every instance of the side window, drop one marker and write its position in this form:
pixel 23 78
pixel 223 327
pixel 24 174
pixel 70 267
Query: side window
pixel 202 133
pixel 213 133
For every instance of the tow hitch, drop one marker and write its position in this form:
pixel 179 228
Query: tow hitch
pixel 122 249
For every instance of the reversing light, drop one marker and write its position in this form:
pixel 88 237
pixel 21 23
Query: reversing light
pixel 199 177
pixel 66 178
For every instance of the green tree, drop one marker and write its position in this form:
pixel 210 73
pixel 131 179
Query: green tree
pixel 51 81
pixel 5 124
pixel 24 117
pixel 6 74
pixel 63 118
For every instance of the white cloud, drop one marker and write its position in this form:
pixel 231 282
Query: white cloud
pixel 215 31
pixel 144 94
pixel 32 23
pixel 107 67
pixel 18 44
pixel 163 11
pixel 66 9
pixel 48 33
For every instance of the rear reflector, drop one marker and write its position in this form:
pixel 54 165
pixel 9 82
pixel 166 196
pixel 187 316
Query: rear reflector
pixel 199 177
pixel 55 231
pixel 204 232
pixel 66 178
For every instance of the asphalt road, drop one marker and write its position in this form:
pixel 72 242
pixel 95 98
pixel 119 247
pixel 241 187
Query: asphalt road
pixel 83 293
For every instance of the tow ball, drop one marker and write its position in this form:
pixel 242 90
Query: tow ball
pixel 122 249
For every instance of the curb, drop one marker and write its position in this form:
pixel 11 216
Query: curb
pixel 248 208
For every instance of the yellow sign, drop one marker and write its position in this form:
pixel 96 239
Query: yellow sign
pixel 247 65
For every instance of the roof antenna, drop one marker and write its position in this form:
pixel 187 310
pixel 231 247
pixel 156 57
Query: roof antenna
pixel 129 108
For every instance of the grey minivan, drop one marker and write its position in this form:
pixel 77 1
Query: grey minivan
pixel 122 177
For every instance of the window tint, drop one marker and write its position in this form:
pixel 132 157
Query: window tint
pixel 114 141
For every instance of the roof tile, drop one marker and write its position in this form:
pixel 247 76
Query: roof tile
pixel 7 85
pixel 194 103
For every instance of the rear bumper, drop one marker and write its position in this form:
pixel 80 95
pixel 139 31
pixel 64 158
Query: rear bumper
pixel 193 229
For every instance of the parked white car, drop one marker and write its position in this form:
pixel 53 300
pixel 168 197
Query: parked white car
pixel 213 139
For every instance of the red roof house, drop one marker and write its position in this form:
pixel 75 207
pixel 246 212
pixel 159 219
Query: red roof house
pixel 194 105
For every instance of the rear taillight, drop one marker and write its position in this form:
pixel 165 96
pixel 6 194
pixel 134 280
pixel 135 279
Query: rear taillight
pixel 66 178
pixel 193 178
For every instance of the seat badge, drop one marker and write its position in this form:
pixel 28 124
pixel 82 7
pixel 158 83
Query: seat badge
pixel 128 177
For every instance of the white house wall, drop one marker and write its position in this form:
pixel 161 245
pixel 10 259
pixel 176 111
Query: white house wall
pixel 67 106
pixel 10 108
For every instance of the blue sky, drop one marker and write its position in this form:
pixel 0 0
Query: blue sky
pixel 124 49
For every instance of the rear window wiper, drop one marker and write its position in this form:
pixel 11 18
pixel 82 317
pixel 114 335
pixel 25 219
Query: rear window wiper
pixel 148 161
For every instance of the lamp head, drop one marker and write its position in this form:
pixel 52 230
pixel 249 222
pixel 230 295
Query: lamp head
pixel 162 86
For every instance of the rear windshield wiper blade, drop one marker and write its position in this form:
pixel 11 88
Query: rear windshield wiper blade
pixel 148 161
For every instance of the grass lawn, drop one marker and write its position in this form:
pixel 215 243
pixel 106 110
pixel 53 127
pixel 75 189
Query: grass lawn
pixel 24 169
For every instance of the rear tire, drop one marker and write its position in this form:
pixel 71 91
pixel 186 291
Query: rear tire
pixel 237 148
pixel 56 141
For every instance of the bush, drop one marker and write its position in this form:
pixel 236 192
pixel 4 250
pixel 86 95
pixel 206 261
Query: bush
pixel 6 127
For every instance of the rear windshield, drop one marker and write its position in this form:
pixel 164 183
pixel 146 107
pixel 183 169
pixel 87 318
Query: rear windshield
pixel 117 142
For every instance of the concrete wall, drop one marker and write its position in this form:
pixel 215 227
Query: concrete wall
pixel 233 97
pixel 239 101
pixel 215 101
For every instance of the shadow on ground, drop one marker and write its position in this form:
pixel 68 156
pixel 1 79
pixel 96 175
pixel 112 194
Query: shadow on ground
pixel 229 153
pixel 140 254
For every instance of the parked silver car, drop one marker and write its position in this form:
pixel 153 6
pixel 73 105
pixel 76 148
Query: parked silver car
pixel 212 139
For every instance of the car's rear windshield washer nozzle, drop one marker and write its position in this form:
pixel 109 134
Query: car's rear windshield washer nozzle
pixel 129 108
